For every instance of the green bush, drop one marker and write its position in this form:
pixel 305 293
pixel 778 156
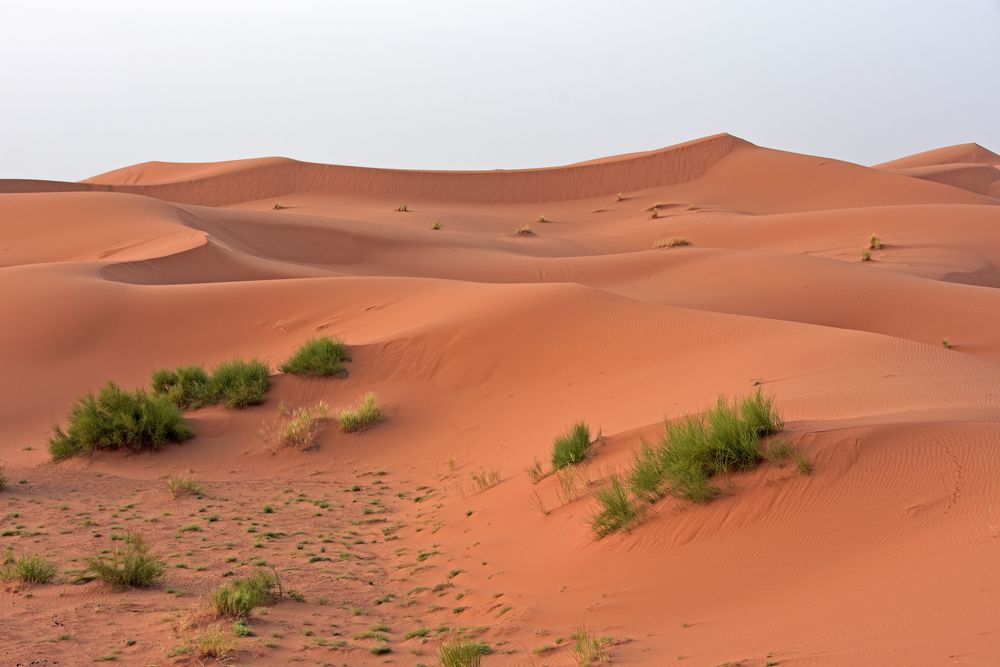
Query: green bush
pixel 365 414
pixel 239 383
pixel 186 387
pixel 318 356
pixel 462 654
pixel 646 477
pixel 618 509
pixel 27 568
pixel 238 599
pixel 572 446
pixel 119 419
pixel 131 564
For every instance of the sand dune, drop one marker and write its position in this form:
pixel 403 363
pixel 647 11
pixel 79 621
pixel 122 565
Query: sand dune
pixel 483 344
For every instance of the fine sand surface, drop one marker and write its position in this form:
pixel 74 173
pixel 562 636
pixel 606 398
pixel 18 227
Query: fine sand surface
pixel 483 344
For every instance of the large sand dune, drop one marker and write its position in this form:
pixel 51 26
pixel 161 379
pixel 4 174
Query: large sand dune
pixel 483 344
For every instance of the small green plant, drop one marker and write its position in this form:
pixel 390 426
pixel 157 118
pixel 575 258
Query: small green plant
pixel 365 414
pixel 802 464
pixel 572 446
pixel 588 649
pixel 381 648
pixel 130 564
pixel 618 510
pixel 462 654
pixel 295 428
pixel 318 356
pixel 866 256
pixel 875 243
pixel 184 486
pixel 241 629
pixel 27 568
pixel 239 598
pixel 214 642
pixel 674 242
pixel 186 387
pixel 119 419
pixel 239 383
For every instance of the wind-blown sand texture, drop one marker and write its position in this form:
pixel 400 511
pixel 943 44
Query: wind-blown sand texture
pixel 483 344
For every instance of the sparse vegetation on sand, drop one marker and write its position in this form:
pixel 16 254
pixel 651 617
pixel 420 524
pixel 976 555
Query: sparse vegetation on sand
pixel 296 427
pixel 866 256
pixel 131 564
pixel 318 356
pixel 571 447
pixel 525 230
pixel 945 343
pixel 588 649
pixel 27 569
pixel 186 386
pixel 437 225
pixel 184 486
pixel 119 419
pixel 365 414
pixel 724 439
pixel 541 218
pixel 671 243
pixel 875 243
pixel 239 383
pixel 238 599
pixel 402 208
pixel 462 654
pixel 214 642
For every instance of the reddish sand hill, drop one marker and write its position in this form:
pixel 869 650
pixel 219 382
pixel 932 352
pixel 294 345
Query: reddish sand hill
pixel 492 312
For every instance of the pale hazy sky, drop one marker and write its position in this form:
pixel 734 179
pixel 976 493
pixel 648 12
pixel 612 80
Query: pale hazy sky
pixel 91 86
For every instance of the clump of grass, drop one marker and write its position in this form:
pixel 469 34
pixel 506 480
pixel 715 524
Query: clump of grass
pixel 618 510
pixel 572 446
pixel 239 598
pixel 296 427
pixel 278 206
pixel 541 219
pixel 214 642
pixel 654 213
pixel 437 225
pixel 802 464
pixel 525 230
pixel 535 472
pixel 588 649
pixel 620 197
pixel 365 414
pixel 186 386
pixel 27 568
pixel 318 356
pixel 184 486
pixel 486 478
pixel 241 629
pixel 462 654
pixel 131 564
pixel 119 419
pixel 945 343
pixel 239 383
pixel 402 208
pixel 671 243
pixel 866 256
pixel 646 477
pixel 875 243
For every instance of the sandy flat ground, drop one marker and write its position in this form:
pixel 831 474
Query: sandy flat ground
pixel 483 344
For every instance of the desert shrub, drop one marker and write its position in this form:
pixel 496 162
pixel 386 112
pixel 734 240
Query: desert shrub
pixel 238 599
pixel 541 218
pixel 945 343
pixel 617 509
pixel 802 464
pixel 131 564
pixel 186 386
pixel 486 478
pixel 437 225
pixel 535 472
pixel 295 427
pixel 365 414
pixel 588 649
pixel 866 256
pixel 214 642
pixel 318 356
pixel 462 654
pixel 646 476
pixel 239 383
pixel 402 208
pixel 525 230
pixel 117 418
pixel 572 446
pixel 27 568
pixel 671 243
pixel 183 486
pixel 875 243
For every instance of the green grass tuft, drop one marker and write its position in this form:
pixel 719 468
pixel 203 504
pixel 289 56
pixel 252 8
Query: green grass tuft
pixel 27 568
pixel 462 654
pixel 618 509
pixel 119 419
pixel 365 414
pixel 239 383
pixel 318 356
pixel 238 599
pixel 572 446
pixel 186 387
pixel 131 564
